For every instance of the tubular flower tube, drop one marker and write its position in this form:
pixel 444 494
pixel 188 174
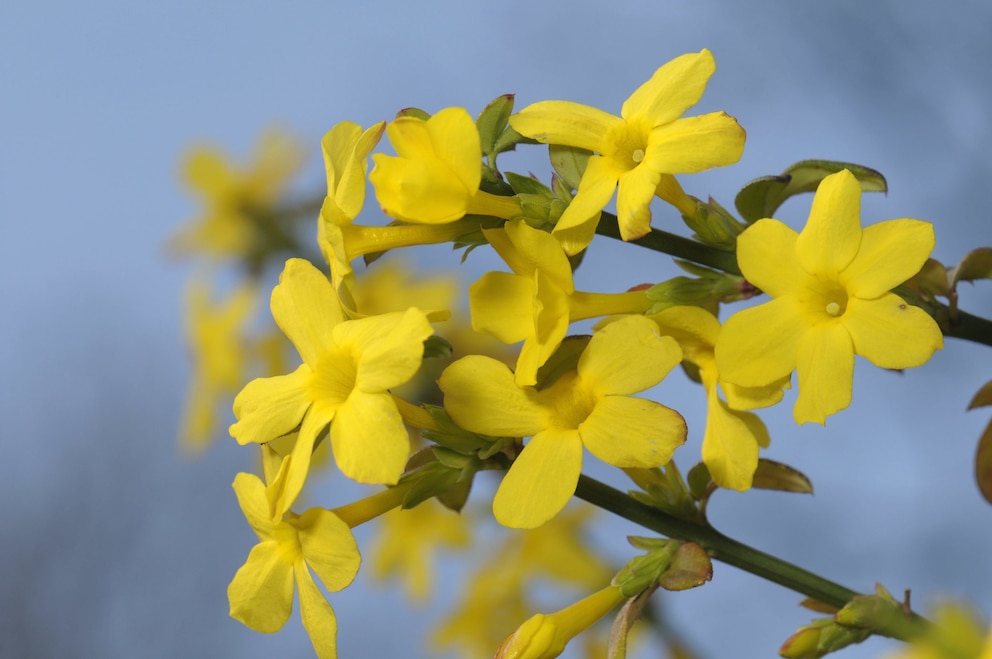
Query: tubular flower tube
pixel 648 140
pixel 831 295
pixel 538 301
pixel 434 177
pixel 590 406
pixel 347 371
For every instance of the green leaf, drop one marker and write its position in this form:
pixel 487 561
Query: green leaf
pixel 492 121
pixel 977 264
pixel 569 163
pixel 564 359
pixel 983 463
pixel 437 347
pixel 772 475
pixel 762 197
pixel 413 112
pixel 699 480
pixel 527 185
pixel 983 398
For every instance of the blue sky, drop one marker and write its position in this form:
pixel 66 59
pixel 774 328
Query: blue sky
pixel 115 545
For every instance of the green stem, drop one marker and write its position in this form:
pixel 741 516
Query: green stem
pixel 716 544
pixel 970 328
pixel 669 243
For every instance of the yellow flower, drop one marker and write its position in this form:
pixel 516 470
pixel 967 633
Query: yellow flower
pixel 348 368
pixel 648 140
pixel 219 358
pixel 434 177
pixel 234 198
pixel 731 437
pixel 545 636
pixel 830 286
pixel 289 546
pixel 589 406
pixel 346 149
pixel 956 633
pixel 537 303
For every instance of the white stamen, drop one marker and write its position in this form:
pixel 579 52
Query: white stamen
pixel 637 155
pixel 833 309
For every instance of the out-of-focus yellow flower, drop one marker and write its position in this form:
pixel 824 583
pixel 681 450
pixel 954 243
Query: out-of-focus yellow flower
pixel 731 437
pixel 955 634
pixel 635 150
pixel 831 287
pixel 220 358
pixel 236 200
pixel 538 301
pixel 289 546
pixel 590 406
pixel 348 368
pixel 434 177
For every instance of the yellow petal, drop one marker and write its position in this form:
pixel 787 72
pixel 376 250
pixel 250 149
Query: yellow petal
pixel 305 308
pixel 328 547
pixel 891 252
pixel 832 235
pixel 674 88
pixel 692 144
pixel 502 304
pixel 759 346
pixel 418 191
pixel 766 254
pixel 565 122
pixel 532 250
pixel 627 356
pixel 540 481
pixel 389 348
pixel 261 593
pixel 890 333
pixel 317 615
pixel 551 320
pixel 455 139
pixel 580 217
pixel 632 432
pixel 250 491
pixel 271 407
pixel 730 446
pixel 480 396
pixel 825 371
pixel 345 168
pixel 369 440
pixel 635 191
pixel 750 398
pixel 298 466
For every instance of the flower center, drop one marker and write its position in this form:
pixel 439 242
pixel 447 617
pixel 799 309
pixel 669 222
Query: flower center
pixel 334 377
pixel 569 402
pixel 833 308
pixel 627 144
pixel 637 155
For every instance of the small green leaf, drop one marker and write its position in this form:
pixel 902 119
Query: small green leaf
pixel 569 163
pixel 983 463
pixel 977 264
pixel 690 567
pixel 983 398
pixel 437 347
pixel 492 121
pixel 772 475
pixel 630 613
pixel 762 197
pixel 527 185
pixel 699 480
pixel 564 359
pixel 417 113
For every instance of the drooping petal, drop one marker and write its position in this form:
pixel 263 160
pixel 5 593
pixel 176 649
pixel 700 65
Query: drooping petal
pixel 271 407
pixel 480 396
pixel 674 88
pixel 346 148
pixel 627 356
pixel 891 252
pixel 369 440
pixel 533 249
pixel 306 308
pixel 540 481
pixel 832 235
pixel 730 447
pixel 250 491
pixel 328 547
pixel 596 188
pixel 317 615
pixel 502 304
pixel 890 333
pixel 565 122
pixel 298 467
pixel 759 346
pixel 634 194
pixel 632 432
pixel 766 254
pixel 389 347
pixel 695 329
pixel 825 371
pixel 261 593
pixel 692 144
pixel 551 320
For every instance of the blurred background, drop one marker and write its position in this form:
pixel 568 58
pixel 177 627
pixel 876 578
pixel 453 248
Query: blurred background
pixel 114 544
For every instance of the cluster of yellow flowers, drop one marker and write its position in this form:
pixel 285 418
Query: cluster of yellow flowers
pixel 534 414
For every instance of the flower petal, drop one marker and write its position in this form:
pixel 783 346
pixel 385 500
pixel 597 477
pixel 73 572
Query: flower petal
pixel 692 144
pixel 271 407
pixel 635 191
pixel 455 138
pixel 598 183
pixel 389 347
pixel 261 592
pixel 328 547
pixel 306 308
pixel 502 304
pixel 316 614
pixel 551 319
pixel 766 254
pixel 890 333
pixel 250 491
pixel 832 235
pixel 369 440
pixel 632 432
pixel 760 345
pixel 480 396
pixel 825 371
pixel 891 252
pixel 674 88
pixel 533 249
pixel 540 481
pixel 298 466
pixel 565 122
pixel 420 191
pixel 730 445
pixel 627 356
